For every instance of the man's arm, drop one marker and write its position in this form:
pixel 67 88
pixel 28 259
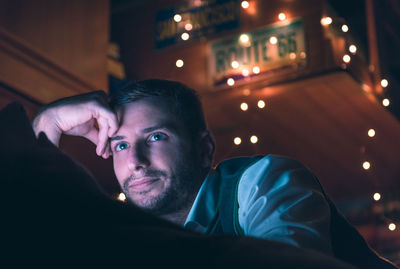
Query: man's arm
pixel 279 199
pixel 86 115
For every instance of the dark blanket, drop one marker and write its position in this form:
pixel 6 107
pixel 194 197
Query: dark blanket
pixel 54 215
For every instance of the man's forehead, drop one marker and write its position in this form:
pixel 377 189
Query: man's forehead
pixel 147 112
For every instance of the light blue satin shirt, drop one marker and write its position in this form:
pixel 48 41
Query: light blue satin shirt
pixel 279 199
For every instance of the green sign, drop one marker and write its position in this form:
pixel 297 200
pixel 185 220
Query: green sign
pixel 257 52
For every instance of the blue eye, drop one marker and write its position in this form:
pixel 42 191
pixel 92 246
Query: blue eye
pixel 121 146
pixel 157 137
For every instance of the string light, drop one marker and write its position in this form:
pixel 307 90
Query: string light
pixel 244 38
pixel 177 18
pixel 366 165
pixel 371 132
pixel 256 70
pixel 237 140
pixel 245 72
pixel 353 49
pixel 282 16
pixel 384 83
pixel 326 20
pixel 385 102
pixel 392 226
pixel 230 81
pixel 244 106
pixel 185 36
pixel 345 28
pixel 235 64
pixel 188 26
pixel 245 4
pixel 273 40
pixel 253 139
pixel 261 104
pixel 121 197
pixel 346 58
pixel 377 196
pixel 292 56
pixel 179 63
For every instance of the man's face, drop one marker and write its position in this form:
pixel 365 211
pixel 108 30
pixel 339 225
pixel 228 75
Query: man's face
pixel 155 160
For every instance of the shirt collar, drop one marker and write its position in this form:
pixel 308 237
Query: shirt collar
pixel 204 207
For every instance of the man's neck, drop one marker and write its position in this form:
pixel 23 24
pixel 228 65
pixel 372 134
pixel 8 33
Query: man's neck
pixel 178 217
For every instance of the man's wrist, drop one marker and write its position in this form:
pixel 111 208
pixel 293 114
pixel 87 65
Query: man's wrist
pixel 44 122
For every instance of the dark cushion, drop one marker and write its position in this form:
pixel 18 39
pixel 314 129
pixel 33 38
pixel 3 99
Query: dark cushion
pixel 55 215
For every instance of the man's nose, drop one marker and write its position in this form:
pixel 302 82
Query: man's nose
pixel 138 158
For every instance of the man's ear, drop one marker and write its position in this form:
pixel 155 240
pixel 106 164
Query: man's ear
pixel 207 148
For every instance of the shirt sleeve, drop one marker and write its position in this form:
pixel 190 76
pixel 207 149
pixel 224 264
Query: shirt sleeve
pixel 279 199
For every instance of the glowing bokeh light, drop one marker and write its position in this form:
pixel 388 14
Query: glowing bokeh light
pixel 244 106
pixel 177 18
pixel 377 196
pixel 245 4
pixel 237 140
pixel 121 197
pixel 253 139
pixel 371 132
pixel 366 165
pixel 179 63
pixel 230 81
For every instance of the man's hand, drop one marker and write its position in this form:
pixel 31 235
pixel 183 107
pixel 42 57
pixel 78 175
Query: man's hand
pixel 86 115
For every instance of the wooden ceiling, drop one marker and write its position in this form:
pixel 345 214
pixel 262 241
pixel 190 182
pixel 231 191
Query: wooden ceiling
pixel 321 121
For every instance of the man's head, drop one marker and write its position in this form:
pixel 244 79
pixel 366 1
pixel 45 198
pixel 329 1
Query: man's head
pixel 162 150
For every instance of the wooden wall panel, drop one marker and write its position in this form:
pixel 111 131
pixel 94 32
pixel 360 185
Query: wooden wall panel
pixel 72 35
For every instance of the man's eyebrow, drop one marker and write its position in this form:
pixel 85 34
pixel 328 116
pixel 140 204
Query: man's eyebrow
pixel 164 125
pixel 115 138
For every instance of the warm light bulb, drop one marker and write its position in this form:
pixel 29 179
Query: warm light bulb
pixel 237 140
pixel 345 28
pixel 244 106
pixel 353 49
pixel 230 82
pixel 122 197
pixel 371 132
pixel 292 56
pixel 179 63
pixel 385 102
pixel 244 38
pixel 185 36
pixel 377 196
pixel 346 58
pixel 188 26
pixel 384 83
pixel 253 139
pixel 366 165
pixel 273 40
pixel 392 226
pixel 261 104
pixel 245 4
pixel 256 70
pixel 177 18
pixel 326 20
pixel 245 72
pixel 235 64
pixel 282 16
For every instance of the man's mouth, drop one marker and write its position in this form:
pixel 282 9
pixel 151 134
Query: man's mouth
pixel 142 183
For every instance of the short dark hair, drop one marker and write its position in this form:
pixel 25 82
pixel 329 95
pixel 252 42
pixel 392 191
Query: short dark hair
pixel 183 101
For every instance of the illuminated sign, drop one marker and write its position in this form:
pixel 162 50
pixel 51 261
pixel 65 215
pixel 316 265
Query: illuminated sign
pixel 259 52
pixel 197 19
